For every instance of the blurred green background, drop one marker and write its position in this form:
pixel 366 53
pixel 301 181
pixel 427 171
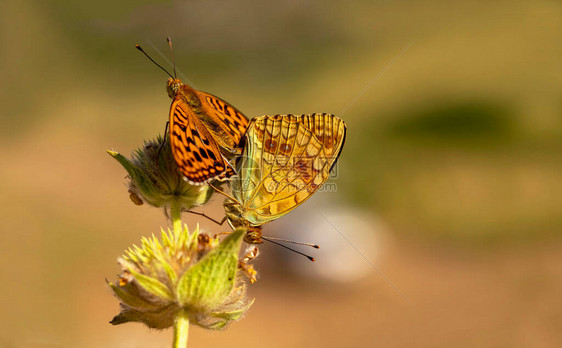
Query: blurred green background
pixel 456 148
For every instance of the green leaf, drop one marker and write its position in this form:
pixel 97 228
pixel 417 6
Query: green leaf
pixel 232 315
pixel 218 325
pixel 131 300
pixel 152 286
pixel 160 319
pixel 129 167
pixel 209 282
pixel 137 176
pixel 170 272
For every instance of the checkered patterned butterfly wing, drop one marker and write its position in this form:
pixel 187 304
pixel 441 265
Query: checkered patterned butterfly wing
pixel 226 123
pixel 205 132
pixel 285 160
pixel 195 151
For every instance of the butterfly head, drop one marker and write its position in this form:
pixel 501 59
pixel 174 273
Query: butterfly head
pixel 174 86
pixel 189 95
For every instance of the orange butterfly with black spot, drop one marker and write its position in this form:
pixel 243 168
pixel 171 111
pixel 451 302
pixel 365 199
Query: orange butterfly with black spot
pixel 201 125
pixel 205 131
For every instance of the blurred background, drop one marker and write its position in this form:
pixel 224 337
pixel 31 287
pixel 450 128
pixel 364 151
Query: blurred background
pixel 444 227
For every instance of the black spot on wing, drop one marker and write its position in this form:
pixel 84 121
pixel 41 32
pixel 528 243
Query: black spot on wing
pixel 197 156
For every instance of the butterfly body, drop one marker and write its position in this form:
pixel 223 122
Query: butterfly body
pixel 286 159
pixel 204 132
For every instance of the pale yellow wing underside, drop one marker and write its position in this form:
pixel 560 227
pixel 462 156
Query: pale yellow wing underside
pixel 286 159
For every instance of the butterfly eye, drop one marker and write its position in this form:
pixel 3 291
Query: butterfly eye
pixel 173 87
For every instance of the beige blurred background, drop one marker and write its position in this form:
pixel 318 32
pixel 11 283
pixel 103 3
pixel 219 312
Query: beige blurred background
pixel 449 184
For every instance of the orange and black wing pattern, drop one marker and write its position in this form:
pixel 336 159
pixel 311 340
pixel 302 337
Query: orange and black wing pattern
pixel 232 124
pixel 195 150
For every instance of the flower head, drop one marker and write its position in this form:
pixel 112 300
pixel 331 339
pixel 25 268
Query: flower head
pixel 187 272
pixel 155 179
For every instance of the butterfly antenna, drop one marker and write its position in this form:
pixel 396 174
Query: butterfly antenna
pixel 152 60
pixel 315 246
pixel 289 248
pixel 172 53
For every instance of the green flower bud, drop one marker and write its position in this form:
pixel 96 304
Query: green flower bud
pixel 156 180
pixel 182 275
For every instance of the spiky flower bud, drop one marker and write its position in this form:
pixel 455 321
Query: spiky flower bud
pixel 183 274
pixel 155 179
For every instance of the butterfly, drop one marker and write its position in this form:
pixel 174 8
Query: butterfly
pixel 202 127
pixel 285 160
pixel 203 130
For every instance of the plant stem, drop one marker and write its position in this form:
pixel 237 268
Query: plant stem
pixel 181 322
pixel 181 329
pixel 175 212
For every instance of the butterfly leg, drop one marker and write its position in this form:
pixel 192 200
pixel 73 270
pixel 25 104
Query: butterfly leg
pixel 221 233
pixel 208 217
pixel 224 194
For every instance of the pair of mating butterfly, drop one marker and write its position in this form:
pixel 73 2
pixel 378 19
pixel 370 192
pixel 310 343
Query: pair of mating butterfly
pixel 284 158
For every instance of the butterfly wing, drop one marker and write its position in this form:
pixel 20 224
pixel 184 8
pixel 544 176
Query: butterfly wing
pixel 286 159
pixel 226 123
pixel 195 151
